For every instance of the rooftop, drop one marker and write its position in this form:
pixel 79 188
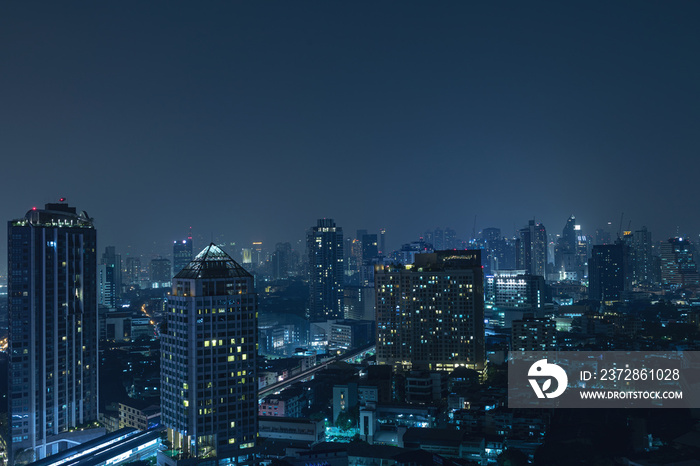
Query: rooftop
pixel 211 263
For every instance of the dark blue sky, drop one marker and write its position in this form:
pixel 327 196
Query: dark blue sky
pixel 252 119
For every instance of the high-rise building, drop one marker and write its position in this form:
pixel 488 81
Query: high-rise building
pixel 208 369
pixel 644 275
pixel 281 261
pixel 382 242
pixel 431 315
pixel 370 248
pixel 182 254
pixel 609 272
pixel 325 248
pixel 160 272
pixel 133 271
pixel 514 294
pixel 52 289
pixel 107 294
pixel 679 268
pixel 532 249
pixel 111 259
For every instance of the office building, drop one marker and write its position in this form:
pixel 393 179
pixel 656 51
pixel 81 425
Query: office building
pixel 609 272
pixel 133 271
pixel 325 249
pixel 531 250
pixel 208 372
pixel 678 264
pixel 112 260
pixel 431 315
pixel 281 261
pixel 514 294
pixel 160 272
pixel 644 264
pixel 370 249
pixel 107 293
pixel 534 334
pixel 52 288
pixel 382 242
pixel 182 254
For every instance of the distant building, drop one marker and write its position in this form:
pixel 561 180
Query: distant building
pixel 290 402
pixel 534 335
pixel 515 294
pixel 182 254
pixel 326 277
pixel 532 249
pixel 133 271
pixel 645 275
pixel 425 387
pixel 295 429
pixel 431 315
pixel 678 264
pixel 53 324
pixel 349 334
pixel 281 261
pixel 112 260
pixel 208 354
pixel 358 302
pixel 609 272
pixel 107 287
pixel 141 419
pixel 370 248
pixel 160 273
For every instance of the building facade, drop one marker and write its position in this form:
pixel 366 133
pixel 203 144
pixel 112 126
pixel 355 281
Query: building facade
pixel 431 315
pixel 208 372
pixel 609 272
pixel 326 271
pixel 531 250
pixel 182 254
pixel 53 366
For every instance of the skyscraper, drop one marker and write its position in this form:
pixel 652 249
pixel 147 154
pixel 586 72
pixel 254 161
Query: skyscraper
pixel 609 272
pixel 679 267
pixel 281 261
pixel 532 249
pixel 208 382
pixel 52 289
pixel 370 249
pixel 112 260
pixel 325 248
pixel 382 242
pixel 431 315
pixel 643 259
pixel 160 272
pixel 182 253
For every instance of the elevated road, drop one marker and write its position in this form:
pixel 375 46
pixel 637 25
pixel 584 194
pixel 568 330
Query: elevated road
pixel 349 356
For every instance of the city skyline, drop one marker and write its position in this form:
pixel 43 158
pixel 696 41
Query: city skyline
pixel 401 112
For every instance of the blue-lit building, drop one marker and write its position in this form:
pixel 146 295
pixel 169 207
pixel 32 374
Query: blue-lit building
pixel 208 372
pixel 52 288
pixel 326 271
pixel 609 272
pixel 182 254
pixel 679 267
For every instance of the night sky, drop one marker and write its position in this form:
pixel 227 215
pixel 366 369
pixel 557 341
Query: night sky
pixel 253 119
